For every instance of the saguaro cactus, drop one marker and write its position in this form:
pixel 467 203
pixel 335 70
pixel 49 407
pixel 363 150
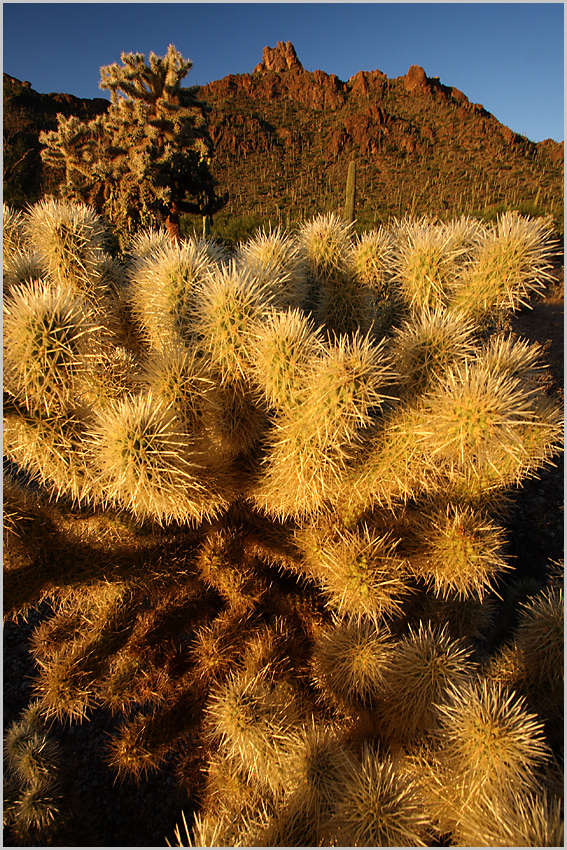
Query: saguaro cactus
pixel 350 198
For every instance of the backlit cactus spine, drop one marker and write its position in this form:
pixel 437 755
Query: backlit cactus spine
pixel 299 455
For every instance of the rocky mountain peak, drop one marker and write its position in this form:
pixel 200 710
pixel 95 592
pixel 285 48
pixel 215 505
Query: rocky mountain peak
pixel 282 57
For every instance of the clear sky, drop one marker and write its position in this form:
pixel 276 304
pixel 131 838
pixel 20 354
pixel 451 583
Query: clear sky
pixel 507 56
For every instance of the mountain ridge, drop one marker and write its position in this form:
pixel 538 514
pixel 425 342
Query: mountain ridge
pixel 419 145
pixel 284 137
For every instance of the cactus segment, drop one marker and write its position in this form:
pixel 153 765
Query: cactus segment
pixel 377 807
pixel 461 552
pixel 426 261
pixel 71 240
pixel 489 740
pixel 274 259
pixel 350 197
pixel 426 666
pixel 229 306
pixel 509 263
pixel 427 346
pixel 286 349
pixel 143 460
pixel 163 289
pixel 351 660
pixel 50 340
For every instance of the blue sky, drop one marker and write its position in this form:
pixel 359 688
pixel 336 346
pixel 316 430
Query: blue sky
pixel 507 56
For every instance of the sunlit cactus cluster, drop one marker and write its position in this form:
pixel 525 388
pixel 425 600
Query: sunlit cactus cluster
pixel 265 492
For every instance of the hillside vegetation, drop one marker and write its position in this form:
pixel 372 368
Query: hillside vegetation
pixel 284 138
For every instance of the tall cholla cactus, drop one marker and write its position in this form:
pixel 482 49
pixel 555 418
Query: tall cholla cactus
pixel 146 160
pixel 268 508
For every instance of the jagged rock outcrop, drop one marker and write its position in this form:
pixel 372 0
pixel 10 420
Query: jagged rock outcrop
pixel 280 58
pixel 415 79
pixel 284 137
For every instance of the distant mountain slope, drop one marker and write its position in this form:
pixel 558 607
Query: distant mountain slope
pixel 25 114
pixel 284 138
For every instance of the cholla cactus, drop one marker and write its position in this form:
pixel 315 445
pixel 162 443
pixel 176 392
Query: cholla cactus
pixel 340 299
pixel 50 338
pixel 138 162
pixel 428 345
pixel 36 806
pixel 70 239
pixel 22 267
pixel 489 741
pixel 12 231
pixel 424 667
pixel 163 289
pixel 460 551
pixel 426 262
pixel 532 663
pixel 275 260
pixel 378 807
pixel 516 819
pixel 269 516
pixel 351 661
pixel 253 716
pixel 507 264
